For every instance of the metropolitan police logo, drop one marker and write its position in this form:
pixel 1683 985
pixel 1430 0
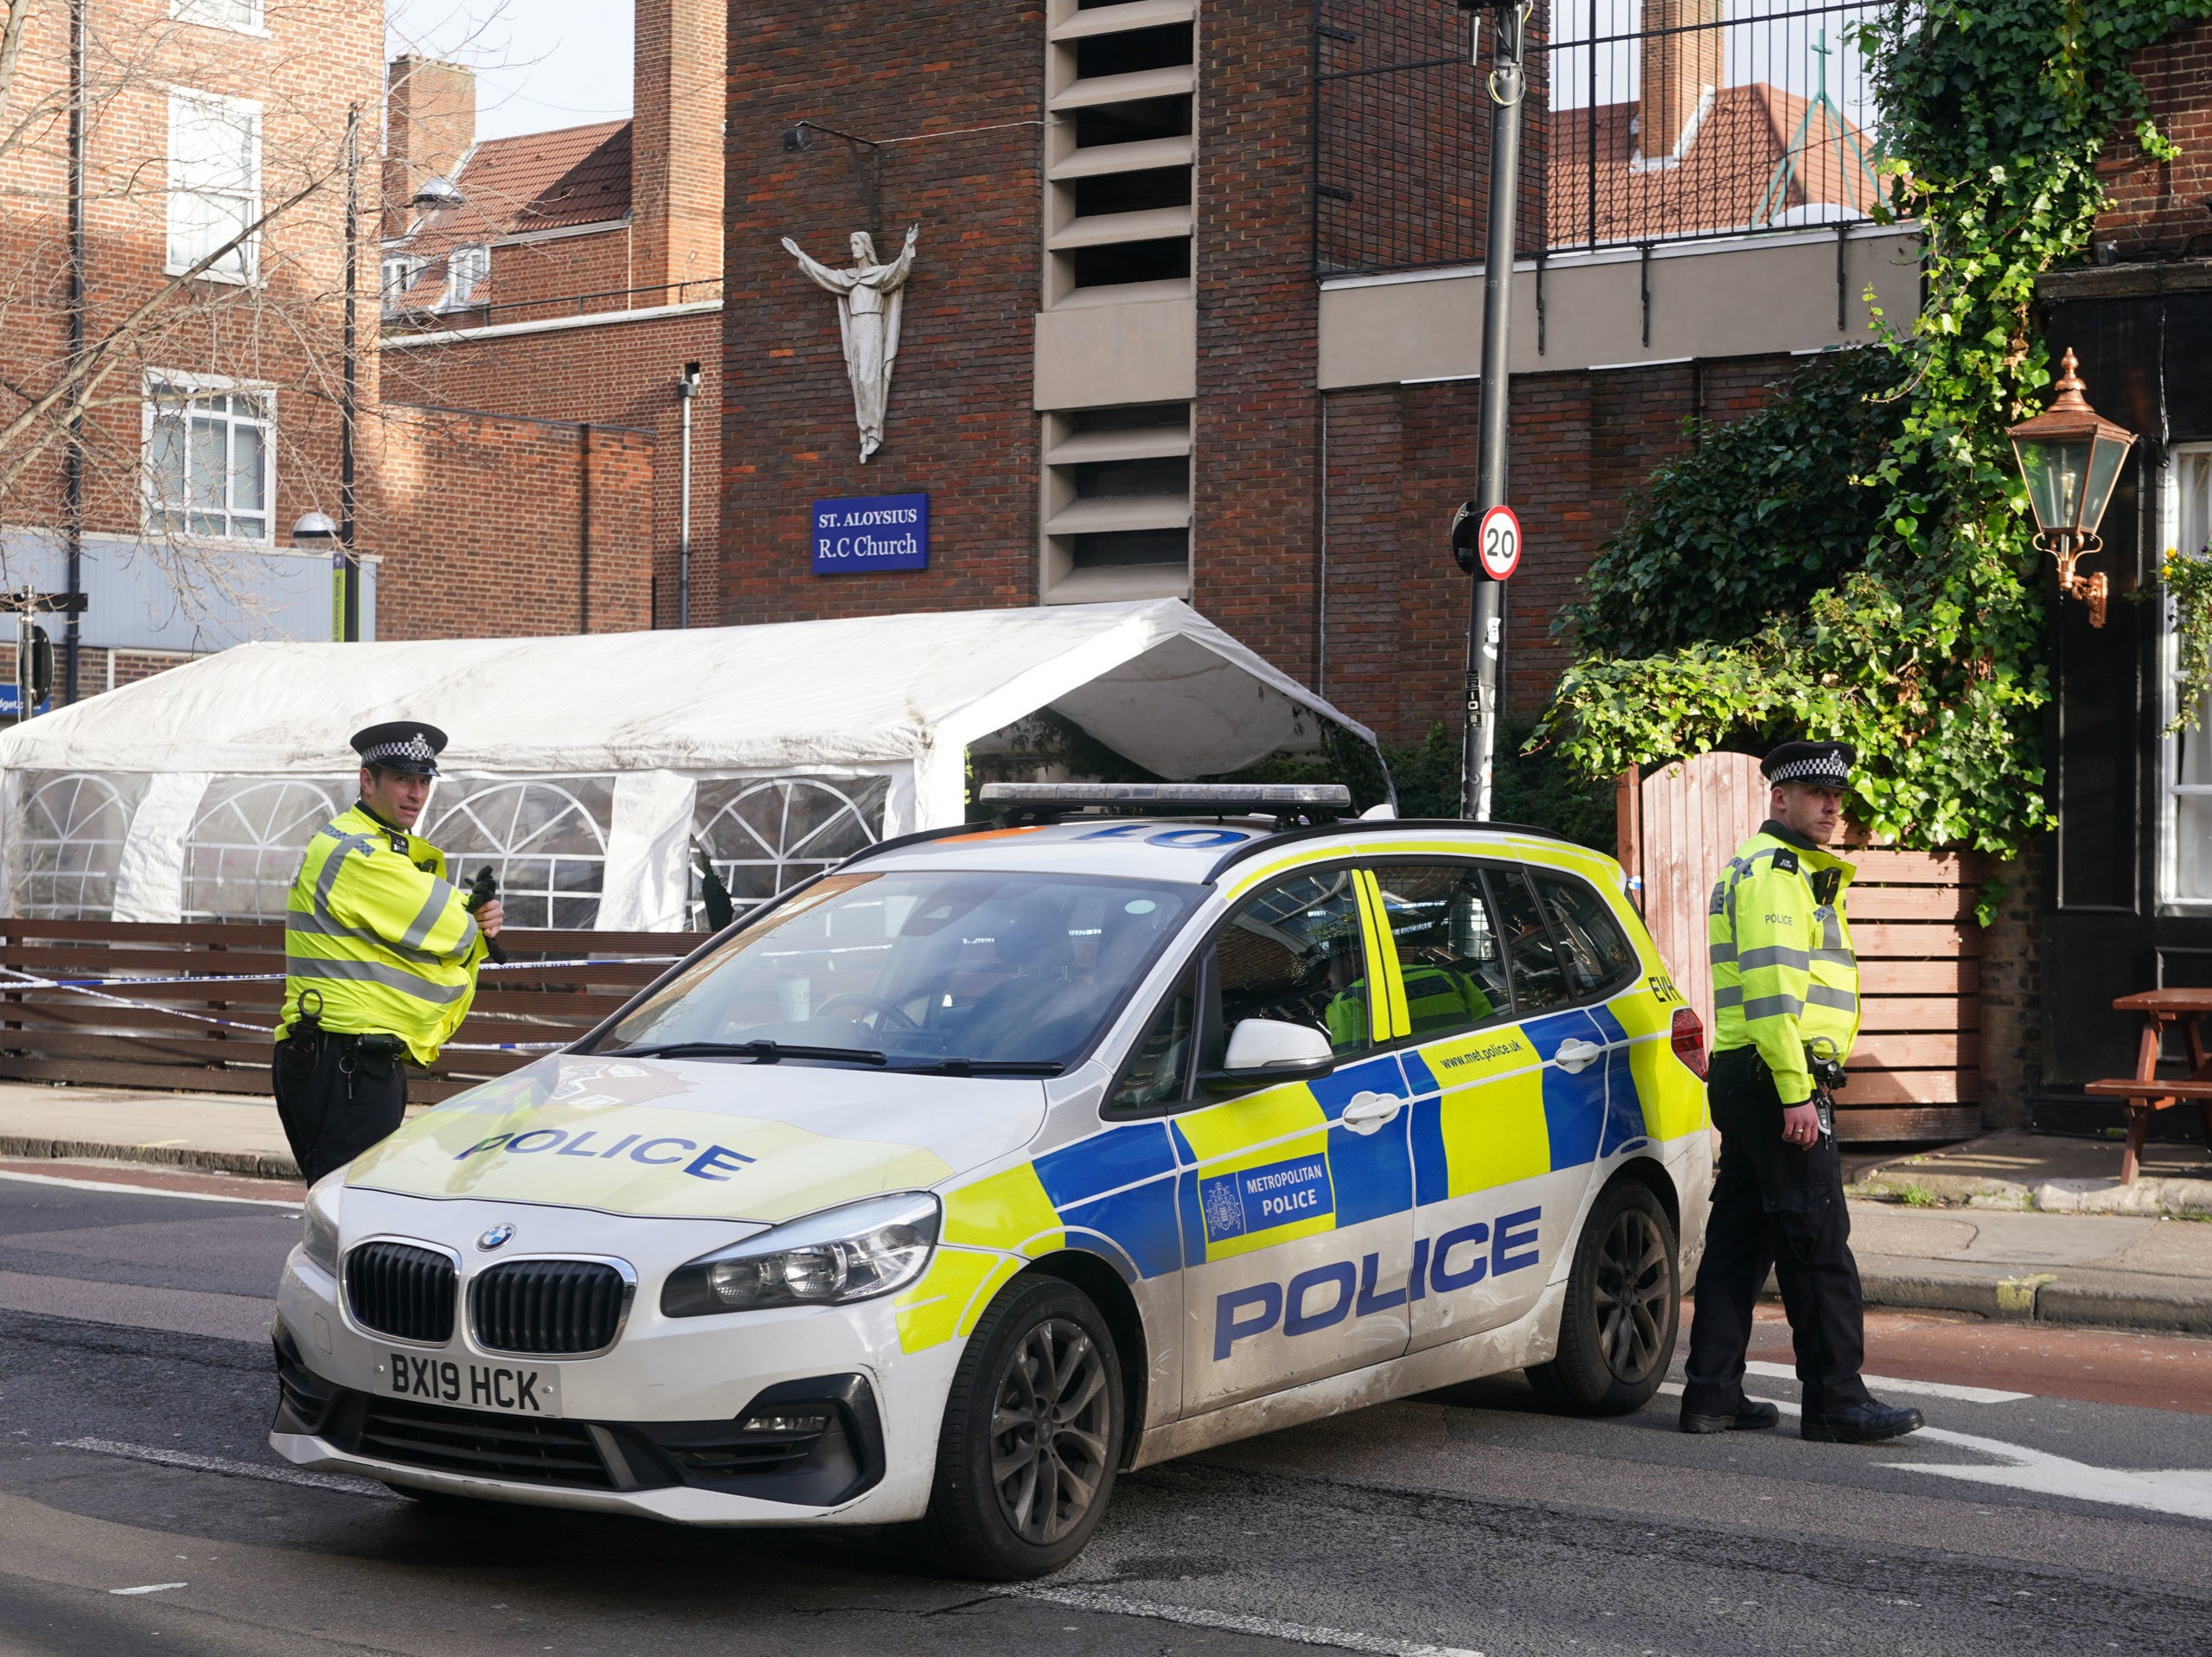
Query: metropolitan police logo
pixel 1224 1208
pixel 1261 1199
pixel 496 1237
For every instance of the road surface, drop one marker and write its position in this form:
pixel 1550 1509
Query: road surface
pixel 2063 1503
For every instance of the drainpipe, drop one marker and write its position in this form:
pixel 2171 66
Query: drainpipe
pixel 73 473
pixel 687 389
pixel 584 527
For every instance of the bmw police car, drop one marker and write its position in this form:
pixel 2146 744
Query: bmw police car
pixel 1001 1159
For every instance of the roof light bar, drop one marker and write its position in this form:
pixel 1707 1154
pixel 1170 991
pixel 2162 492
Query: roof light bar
pixel 1287 802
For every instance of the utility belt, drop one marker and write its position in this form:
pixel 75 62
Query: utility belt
pixel 1820 1060
pixel 374 1051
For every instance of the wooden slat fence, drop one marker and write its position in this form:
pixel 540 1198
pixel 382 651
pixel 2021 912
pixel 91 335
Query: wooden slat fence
pixel 63 1035
pixel 1916 1069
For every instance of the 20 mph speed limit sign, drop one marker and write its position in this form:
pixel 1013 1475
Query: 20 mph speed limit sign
pixel 1488 545
pixel 1497 542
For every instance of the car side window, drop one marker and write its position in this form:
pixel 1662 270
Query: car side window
pixel 1596 952
pixel 1157 1076
pixel 1537 979
pixel 1450 952
pixel 1292 952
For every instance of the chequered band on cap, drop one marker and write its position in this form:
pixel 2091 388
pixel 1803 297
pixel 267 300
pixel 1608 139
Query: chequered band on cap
pixel 1825 768
pixel 412 748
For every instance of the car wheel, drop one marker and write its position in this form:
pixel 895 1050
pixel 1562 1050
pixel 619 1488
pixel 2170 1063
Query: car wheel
pixel 1033 1433
pixel 1624 1303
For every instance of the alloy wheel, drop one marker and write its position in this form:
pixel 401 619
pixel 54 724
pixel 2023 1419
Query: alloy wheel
pixel 1050 1422
pixel 1633 1284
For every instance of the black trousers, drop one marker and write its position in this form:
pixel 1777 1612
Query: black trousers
pixel 1773 1205
pixel 335 1098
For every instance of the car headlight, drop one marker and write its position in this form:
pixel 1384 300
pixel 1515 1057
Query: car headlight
pixel 318 1238
pixel 851 1253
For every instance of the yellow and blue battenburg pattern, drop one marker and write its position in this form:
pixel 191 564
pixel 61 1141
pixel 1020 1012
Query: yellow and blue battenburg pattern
pixel 1489 1107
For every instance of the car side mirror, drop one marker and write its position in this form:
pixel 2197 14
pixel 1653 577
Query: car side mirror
pixel 1265 1051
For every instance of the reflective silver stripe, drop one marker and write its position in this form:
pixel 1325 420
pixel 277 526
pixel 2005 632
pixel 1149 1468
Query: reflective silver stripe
pixel 1835 957
pixel 1774 955
pixel 313 966
pixel 1769 1006
pixel 323 926
pixel 1721 955
pixel 329 878
pixel 1831 931
pixel 1730 995
pixel 433 910
pixel 1822 995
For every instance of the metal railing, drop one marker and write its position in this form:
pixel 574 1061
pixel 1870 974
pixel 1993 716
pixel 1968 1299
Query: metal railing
pixel 421 319
pixel 1650 121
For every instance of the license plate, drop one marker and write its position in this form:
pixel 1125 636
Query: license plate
pixel 515 1389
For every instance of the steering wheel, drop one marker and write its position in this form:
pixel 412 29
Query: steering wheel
pixel 872 1003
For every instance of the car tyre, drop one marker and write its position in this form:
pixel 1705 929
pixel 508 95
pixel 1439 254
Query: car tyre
pixel 1624 1307
pixel 1033 1435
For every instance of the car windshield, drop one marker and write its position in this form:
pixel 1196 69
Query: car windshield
pixel 922 970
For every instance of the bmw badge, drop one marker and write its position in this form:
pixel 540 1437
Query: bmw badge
pixel 493 1237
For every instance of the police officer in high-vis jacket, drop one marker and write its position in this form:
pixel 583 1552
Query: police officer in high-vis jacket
pixel 1785 1006
pixel 381 954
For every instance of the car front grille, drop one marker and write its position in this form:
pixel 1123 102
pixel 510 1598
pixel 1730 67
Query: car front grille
pixel 397 1289
pixel 518 1447
pixel 548 1306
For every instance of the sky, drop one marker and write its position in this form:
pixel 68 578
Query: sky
pixel 539 63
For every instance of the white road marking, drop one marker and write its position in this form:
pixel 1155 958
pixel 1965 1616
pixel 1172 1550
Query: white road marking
pixel 291 1203
pixel 2184 1490
pixel 224 1465
pixel 1089 1599
pixel 1893 1384
pixel 151 1588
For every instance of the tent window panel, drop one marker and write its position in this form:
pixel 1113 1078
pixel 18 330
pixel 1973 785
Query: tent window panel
pixel 764 835
pixel 544 841
pixel 244 847
pixel 69 834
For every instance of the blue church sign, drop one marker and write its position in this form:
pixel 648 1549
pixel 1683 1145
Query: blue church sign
pixel 871 532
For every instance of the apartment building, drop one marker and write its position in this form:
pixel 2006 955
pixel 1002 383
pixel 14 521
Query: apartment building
pixel 172 268
pixel 1196 308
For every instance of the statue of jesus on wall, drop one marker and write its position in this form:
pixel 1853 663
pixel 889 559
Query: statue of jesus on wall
pixel 869 297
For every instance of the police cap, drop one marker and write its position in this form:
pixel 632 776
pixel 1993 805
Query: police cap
pixel 1820 764
pixel 406 746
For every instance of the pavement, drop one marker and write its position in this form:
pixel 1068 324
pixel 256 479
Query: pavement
pixel 2010 1227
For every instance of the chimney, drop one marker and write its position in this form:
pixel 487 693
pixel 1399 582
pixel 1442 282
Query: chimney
pixel 430 122
pixel 1678 71
pixel 675 143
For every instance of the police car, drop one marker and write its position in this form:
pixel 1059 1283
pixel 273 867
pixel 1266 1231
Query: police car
pixel 1002 1158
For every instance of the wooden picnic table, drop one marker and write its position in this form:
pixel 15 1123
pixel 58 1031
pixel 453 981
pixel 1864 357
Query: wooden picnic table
pixel 2146 1091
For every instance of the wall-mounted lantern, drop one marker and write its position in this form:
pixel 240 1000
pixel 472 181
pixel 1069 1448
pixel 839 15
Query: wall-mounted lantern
pixel 2070 456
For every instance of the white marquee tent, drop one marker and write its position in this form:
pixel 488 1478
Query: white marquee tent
pixel 586 769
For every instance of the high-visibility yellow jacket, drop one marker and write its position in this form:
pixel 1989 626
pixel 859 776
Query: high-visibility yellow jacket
pixel 1783 970
pixel 373 927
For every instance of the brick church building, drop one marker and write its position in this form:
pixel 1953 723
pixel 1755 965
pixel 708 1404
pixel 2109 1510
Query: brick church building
pixel 1196 308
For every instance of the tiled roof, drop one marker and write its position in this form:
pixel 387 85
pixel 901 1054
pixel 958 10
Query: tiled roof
pixel 540 181
pixel 1731 175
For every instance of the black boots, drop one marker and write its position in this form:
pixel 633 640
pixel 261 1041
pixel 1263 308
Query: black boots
pixel 1749 1419
pixel 1865 1424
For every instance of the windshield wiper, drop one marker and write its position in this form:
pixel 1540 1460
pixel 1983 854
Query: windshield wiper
pixel 763 1051
pixel 986 1067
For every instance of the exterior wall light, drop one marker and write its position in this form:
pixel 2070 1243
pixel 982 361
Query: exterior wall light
pixel 2070 457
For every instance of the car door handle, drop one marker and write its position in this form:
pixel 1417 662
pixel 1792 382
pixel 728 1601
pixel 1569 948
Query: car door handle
pixel 1368 1113
pixel 1575 1054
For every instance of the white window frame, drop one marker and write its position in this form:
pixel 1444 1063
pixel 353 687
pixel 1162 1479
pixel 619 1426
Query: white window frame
pixel 467 268
pixel 161 386
pixel 394 294
pixel 179 190
pixel 196 12
pixel 2185 464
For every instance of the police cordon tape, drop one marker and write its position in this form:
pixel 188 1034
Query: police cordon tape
pixel 34 982
pixel 278 977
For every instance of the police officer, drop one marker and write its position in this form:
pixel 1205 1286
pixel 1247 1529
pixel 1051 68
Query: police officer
pixel 1786 1001
pixel 380 953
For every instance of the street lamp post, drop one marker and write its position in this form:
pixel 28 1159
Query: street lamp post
pixel 1507 87
pixel 2070 457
